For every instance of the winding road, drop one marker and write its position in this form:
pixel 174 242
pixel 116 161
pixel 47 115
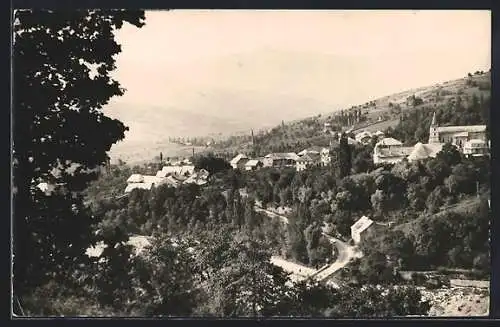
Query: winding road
pixel 346 253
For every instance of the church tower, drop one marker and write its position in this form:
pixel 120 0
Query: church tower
pixel 433 131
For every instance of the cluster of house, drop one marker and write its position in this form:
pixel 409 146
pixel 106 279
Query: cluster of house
pixel 313 156
pixel 173 175
pixel 470 140
pixel 300 161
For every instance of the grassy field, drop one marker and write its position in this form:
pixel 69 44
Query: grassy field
pixel 380 126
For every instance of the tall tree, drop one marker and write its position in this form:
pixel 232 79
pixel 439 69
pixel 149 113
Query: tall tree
pixel 167 275
pixel 244 282
pixel 62 67
pixel 344 156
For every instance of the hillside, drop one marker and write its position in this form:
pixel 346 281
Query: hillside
pixel 379 114
pixel 215 113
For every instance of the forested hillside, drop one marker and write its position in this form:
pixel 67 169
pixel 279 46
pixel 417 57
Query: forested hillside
pixel 405 116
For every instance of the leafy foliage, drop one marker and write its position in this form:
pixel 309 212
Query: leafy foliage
pixel 60 134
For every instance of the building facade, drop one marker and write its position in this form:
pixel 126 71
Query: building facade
pixel 457 135
pixel 280 160
pixel 359 228
pixel 325 157
pixel 476 148
pixel 390 150
pixel 239 161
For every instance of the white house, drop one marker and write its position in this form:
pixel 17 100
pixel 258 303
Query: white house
pixel 325 157
pixel 359 228
pixel 239 161
pixel 145 182
pixel 184 170
pixel 304 162
pixel 390 150
pixel 476 148
pixel 280 159
pixel 253 164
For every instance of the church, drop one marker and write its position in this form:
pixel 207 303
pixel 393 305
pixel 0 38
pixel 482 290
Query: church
pixel 457 135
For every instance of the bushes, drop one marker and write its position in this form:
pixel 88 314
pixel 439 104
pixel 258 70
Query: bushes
pixel 51 300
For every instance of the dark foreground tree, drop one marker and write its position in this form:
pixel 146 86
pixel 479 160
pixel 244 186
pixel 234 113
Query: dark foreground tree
pixel 62 64
pixel 241 280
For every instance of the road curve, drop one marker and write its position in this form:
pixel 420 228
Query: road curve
pixel 345 254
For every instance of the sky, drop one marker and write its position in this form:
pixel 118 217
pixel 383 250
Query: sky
pixel 336 57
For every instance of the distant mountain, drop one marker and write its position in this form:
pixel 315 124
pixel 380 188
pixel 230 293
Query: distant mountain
pixel 213 112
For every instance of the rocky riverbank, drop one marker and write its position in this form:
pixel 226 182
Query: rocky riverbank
pixel 457 301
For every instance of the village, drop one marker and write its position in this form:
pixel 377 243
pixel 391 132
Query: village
pixel 275 164
pixel 469 140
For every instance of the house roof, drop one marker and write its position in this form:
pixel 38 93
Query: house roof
pixel 402 151
pixel 252 163
pixel 361 225
pixel 146 182
pixel 389 141
pixel 305 158
pixel 237 159
pixel 422 151
pixel 312 149
pixel 362 135
pixel 314 156
pixel 135 178
pixel 133 186
pixel 161 173
pixel 153 180
pixel 288 155
pixel 179 170
pixel 455 129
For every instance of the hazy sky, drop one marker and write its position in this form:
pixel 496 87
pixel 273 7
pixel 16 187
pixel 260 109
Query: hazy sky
pixel 326 55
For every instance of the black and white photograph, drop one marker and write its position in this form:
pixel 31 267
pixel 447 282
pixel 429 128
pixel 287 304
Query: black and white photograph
pixel 328 164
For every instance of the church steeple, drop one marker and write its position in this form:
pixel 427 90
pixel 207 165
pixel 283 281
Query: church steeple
pixel 433 130
pixel 433 123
